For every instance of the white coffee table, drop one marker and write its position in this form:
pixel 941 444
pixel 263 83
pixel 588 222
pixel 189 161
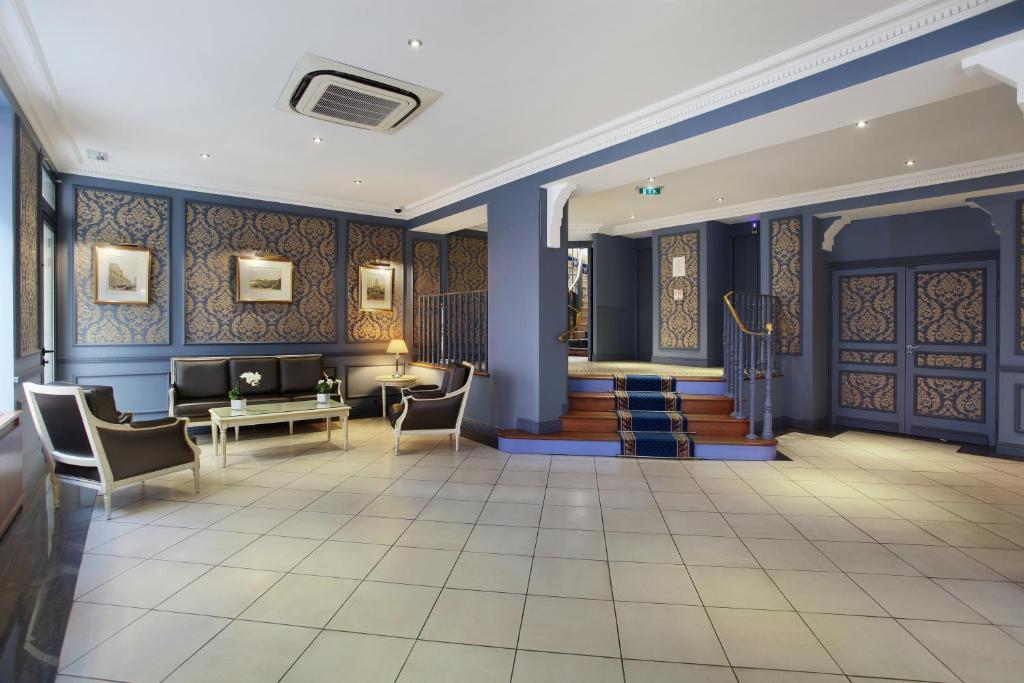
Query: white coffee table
pixel 222 419
pixel 386 381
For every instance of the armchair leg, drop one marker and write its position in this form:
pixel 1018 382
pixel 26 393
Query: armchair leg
pixel 107 503
pixel 142 489
pixel 195 476
pixel 397 447
pixel 291 428
pixel 456 443
pixel 236 434
pixel 55 487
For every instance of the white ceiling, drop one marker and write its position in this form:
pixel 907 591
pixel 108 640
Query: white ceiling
pixel 155 84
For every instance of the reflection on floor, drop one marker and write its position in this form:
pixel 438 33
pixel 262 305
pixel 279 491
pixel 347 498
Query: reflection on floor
pixel 582 366
pixel 866 555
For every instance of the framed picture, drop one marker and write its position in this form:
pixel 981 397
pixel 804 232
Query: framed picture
pixel 376 288
pixel 264 279
pixel 121 274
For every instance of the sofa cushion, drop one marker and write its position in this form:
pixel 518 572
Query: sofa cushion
pixel 265 365
pixel 200 408
pixel 200 378
pixel 300 373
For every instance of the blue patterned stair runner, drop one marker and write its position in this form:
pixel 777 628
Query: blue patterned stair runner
pixel 651 423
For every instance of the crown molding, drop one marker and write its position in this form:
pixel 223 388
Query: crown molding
pixel 938 176
pixel 898 24
pixel 304 200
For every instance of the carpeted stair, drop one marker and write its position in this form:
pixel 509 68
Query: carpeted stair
pixel 651 422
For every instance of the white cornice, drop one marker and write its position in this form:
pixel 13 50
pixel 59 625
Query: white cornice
pixel 310 201
pixel 896 25
pixel 938 176
pixel 28 76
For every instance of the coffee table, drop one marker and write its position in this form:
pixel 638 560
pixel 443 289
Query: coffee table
pixel 222 419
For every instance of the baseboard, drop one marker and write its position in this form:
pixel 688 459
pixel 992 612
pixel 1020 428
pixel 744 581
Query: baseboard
pixel 803 424
pixel 533 427
pixel 1012 450
pixel 480 432
pixel 951 435
pixel 692 362
pixel 870 425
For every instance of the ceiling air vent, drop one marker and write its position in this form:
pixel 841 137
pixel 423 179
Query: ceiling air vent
pixel 344 94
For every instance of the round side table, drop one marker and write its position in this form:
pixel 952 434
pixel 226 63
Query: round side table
pixel 386 381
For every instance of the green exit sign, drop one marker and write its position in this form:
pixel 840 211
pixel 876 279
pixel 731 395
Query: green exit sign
pixel 649 190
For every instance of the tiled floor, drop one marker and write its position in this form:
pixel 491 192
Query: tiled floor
pixel 867 557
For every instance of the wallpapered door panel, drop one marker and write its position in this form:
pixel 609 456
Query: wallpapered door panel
pixel 426 277
pixel 1020 278
pixel 467 263
pixel 214 234
pixel 952 361
pixel 28 243
pixel 950 307
pixel 679 318
pixel 108 217
pixel 867 308
pixel 867 357
pixel 787 282
pixel 868 391
pixel 369 244
pixel 951 398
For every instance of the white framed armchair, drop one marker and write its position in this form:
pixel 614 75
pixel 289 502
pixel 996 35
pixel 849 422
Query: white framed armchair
pixel 84 450
pixel 433 409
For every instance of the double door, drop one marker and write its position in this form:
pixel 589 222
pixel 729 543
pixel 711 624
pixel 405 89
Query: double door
pixel 914 350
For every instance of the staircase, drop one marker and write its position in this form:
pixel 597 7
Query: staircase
pixel 590 427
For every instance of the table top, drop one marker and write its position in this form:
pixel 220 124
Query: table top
pixel 391 378
pixel 285 408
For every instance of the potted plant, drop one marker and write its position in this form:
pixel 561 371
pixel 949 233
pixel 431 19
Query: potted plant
pixel 323 390
pixel 253 379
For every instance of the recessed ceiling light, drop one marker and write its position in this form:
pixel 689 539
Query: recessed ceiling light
pixel 862 124
pixel 357 182
pixel 909 162
pixel 317 140
pixel 651 179
pixel 415 42
pixel 632 216
pixel 720 199
pixel 204 155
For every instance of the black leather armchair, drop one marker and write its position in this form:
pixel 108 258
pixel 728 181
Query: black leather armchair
pixel 86 450
pixel 433 409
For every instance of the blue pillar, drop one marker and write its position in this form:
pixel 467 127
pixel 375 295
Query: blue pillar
pixel 526 311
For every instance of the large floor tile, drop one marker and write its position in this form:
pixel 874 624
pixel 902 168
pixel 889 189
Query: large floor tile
pixel 716 551
pixel 314 525
pixel 221 592
pixel 571 626
pixel 475 618
pixel 432 662
pixel 567 578
pixel 998 601
pixel 208 547
pixel 668 633
pixel 503 540
pixel 387 609
pixel 252 520
pixel 144 541
pixel 149 649
pixel 737 587
pixel 547 667
pixel 571 517
pixel 865 558
pixel 273 553
pixel 440 535
pixel 342 560
pixel 379 530
pixel 829 592
pixel 769 640
pixel 421 566
pixel 246 651
pixel 656 583
pixel 944 563
pixel 146 584
pixel 638 671
pixel 363 658
pixel 301 600
pixel 641 547
pixel 95 570
pixel 973 652
pixel 571 543
pixel 698 523
pixel 788 554
pixel 915 597
pixel 90 624
pixel 491 572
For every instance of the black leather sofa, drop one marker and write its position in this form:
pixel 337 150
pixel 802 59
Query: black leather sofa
pixel 201 383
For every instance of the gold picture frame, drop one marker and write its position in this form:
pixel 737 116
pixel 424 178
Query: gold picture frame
pixel 376 287
pixel 264 280
pixel 121 274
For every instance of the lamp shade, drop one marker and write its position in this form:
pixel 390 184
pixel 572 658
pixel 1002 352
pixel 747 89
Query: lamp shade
pixel 397 346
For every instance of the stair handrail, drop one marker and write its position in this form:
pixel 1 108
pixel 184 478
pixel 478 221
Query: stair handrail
pixel 564 337
pixel 736 366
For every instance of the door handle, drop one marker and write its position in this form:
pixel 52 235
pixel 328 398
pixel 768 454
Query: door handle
pixel 911 347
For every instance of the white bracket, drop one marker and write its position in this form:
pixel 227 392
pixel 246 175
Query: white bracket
pixel 557 195
pixel 829 240
pixel 1004 63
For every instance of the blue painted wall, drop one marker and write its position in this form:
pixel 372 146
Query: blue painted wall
pixel 946 231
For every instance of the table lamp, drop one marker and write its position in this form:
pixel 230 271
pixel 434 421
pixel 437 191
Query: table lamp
pixel 397 347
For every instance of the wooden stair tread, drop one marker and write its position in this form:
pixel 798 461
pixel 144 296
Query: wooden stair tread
pixel 692 417
pixel 688 378
pixel 604 436
pixel 686 397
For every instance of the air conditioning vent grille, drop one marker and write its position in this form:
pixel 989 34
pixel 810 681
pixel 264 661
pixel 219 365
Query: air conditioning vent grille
pixel 351 105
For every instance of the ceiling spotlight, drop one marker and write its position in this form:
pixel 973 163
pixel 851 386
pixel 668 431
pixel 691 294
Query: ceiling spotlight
pixel 720 200
pixel 317 140
pixel 862 124
pixel 415 42
pixel 651 179
pixel 909 162
pixel 204 155
pixel 357 182
pixel 632 216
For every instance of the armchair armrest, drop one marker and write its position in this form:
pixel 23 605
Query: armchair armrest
pixel 430 413
pixel 427 391
pixel 133 450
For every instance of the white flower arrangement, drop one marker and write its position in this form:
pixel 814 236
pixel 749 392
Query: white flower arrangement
pixel 324 385
pixel 253 379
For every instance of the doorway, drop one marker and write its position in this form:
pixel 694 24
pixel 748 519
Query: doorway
pixel 49 303
pixel 914 350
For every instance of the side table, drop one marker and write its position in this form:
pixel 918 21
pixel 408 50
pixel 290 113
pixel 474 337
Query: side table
pixel 386 381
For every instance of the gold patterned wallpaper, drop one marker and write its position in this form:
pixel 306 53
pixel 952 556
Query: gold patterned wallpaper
pixel 867 308
pixel 679 317
pixel 108 217
pixel 426 277
pixel 368 244
pixel 867 357
pixel 215 233
pixel 787 281
pixel 28 243
pixel 467 263
pixel 953 361
pixel 950 307
pixel 950 398
pixel 867 391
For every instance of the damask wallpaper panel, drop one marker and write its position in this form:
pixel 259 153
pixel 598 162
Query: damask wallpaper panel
pixel 679 318
pixel 370 244
pixel 28 243
pixel 109 217
pixel 950 307
pixel 426 277
pixel 951 361
pixel 215 233
pixel 1020 278
pixel 467 263
pixel 867 391
pixel 787 281
pixel 867 308
pixel 867 357
pixel 950 398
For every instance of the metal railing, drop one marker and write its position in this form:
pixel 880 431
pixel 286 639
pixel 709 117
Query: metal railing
pixel 748 343
pixel 452 327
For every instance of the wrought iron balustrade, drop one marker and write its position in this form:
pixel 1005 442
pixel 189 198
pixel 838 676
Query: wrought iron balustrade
pixel 749 346
pixel 452 327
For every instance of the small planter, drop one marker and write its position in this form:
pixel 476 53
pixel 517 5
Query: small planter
pixel 323 399
pixel 238 404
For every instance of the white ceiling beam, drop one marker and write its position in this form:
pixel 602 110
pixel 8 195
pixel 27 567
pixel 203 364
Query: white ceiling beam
pixel 1004 63
pixel 557 195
